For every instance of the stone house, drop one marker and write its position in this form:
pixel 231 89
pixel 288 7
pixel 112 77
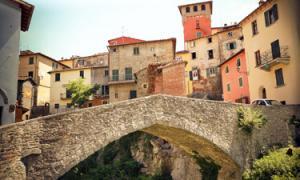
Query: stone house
pixel 15 16
pixel 128 58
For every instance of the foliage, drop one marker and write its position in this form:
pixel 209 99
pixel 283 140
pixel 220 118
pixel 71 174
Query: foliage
pixel 294 121
pixel 117 164
pixel 282 164
pixel 249 119
pixel 208 168
pixel 80 91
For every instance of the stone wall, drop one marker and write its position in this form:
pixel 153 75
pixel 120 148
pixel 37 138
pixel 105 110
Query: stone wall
pixel 46 148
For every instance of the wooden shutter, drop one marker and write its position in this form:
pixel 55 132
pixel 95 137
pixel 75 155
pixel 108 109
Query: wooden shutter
pixel 267 19
pixel 275 11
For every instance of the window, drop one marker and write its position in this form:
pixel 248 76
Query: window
pixel 195 8
pixel 30 74
pixel 211 71
pixel 279 77
pixel 105 90
pixel 227 70
pixel 136 51
pixel 187 9
pixel 228 88
pixel 132 94
pixel 275 49
pixel 31 60
pixel 198 34
pixel 194 55
pixel 152 49
pixel 210 54
pixel 68 94
pixel 57 77
pixel 271 16
pixel 203 7
pixel 231 46
pixel 114 49
pixel 238 63
pixel 69 105
pixel 209 40
pixel 90 104
pixel 128 73
pixel 194 74
pixel 193 44
pixel 27 117
pixel 81 74
pixel 258 58
pixel 254 28
pixel 197 24
pixel 241 82
pixel 56 106
pixel 230 34
pixel 115 75
pixel 106 72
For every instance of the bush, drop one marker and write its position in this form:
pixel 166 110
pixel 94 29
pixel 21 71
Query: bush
pixel 282 164
pixel 248 119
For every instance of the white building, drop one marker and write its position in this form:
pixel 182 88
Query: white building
pixel 15 15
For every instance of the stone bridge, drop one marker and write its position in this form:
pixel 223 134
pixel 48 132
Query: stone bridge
pixel 48 147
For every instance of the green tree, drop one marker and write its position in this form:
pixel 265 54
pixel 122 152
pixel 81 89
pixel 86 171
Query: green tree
pixel 80 91
pixel 283 164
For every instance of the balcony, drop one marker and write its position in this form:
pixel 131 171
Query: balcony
pixel 270 59
pixel 125 79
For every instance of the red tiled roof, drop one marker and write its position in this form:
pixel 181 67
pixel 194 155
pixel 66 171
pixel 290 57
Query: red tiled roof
pixel 123 40
pixel 27 11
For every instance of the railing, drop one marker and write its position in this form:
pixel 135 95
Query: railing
pixel 122 78
pixel 267 56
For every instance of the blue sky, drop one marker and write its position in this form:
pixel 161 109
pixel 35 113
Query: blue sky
pixel 62 28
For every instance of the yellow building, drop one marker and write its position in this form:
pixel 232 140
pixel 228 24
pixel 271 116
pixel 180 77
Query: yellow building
pixel 36 66
pixel 186 57
pixel 271 40
pixel 61 98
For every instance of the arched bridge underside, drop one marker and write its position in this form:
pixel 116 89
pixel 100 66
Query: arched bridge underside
pixel 48 147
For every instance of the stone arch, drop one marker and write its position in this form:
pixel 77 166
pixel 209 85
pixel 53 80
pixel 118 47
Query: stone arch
pixel 207 127
pixel 4 96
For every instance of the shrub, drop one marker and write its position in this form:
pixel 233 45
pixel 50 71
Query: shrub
pixel 248 119
pixel 283 164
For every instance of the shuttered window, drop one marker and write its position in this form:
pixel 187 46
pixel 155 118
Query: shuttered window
pixel 279 77
pixel 271 16
pixel 275 49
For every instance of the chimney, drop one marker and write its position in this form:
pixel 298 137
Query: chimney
pixel 225 25
pixel 261 2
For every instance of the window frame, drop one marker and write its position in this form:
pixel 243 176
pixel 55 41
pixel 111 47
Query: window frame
pixel 228 87
pixel 30 72
pixel 210 54
pixel 81 74
pixel 279 77
pixel 115 75
pixel 257 58
pixel 128 76
pixel 136 51
pixel 203 7
pixel 187 9
pixel 271 18
pixel 31 60
pixel 194 55
pixel 195 8
pixel 57 77
pixel 254 26
pixel 241 82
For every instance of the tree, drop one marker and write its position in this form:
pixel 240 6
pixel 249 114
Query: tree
pixel 80 91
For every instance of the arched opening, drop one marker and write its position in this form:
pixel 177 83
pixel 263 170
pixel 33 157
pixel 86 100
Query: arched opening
pixel 188 143
pixel 262 93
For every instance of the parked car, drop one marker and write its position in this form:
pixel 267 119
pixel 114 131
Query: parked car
pixel 266 102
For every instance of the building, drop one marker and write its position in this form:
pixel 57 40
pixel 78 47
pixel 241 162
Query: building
pixel 127 59
pixel 235 78
pixel 187 58
pixel 272 41
pixel 15 16
pixel 99 59
pixel 196 19
pixel 61 99
pixel 162 78
pixel 36 66
pixel 123 40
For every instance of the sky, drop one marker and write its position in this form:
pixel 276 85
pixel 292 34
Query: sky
pixel 62 28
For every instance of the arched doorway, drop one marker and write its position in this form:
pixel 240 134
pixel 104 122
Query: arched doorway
pixel 262 92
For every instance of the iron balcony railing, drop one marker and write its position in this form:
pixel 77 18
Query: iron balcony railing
pixel 122 78
pixel 268 58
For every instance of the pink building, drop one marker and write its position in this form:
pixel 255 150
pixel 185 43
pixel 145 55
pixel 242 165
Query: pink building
pixel 235 78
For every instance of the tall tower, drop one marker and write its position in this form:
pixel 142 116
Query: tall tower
pixel 196 19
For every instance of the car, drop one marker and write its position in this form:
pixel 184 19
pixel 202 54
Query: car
pixel 266 102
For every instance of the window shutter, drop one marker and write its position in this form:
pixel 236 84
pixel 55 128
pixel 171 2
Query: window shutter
pixel 198 74
pixel 191 75
pixel 275 11
pixel 267 19
pixel 275 49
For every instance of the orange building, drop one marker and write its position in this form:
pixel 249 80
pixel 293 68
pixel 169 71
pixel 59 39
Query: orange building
pixel 235 78
pixel 196 19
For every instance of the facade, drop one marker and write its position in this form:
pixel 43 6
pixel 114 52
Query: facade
pixel 162 78
pixel 196 19
pixel 127 59
pixel 271 40
pixel 187 58
pixel 36 66
pixel 61 99
pixel 15 16
pixel 235 78
pixel 123 40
